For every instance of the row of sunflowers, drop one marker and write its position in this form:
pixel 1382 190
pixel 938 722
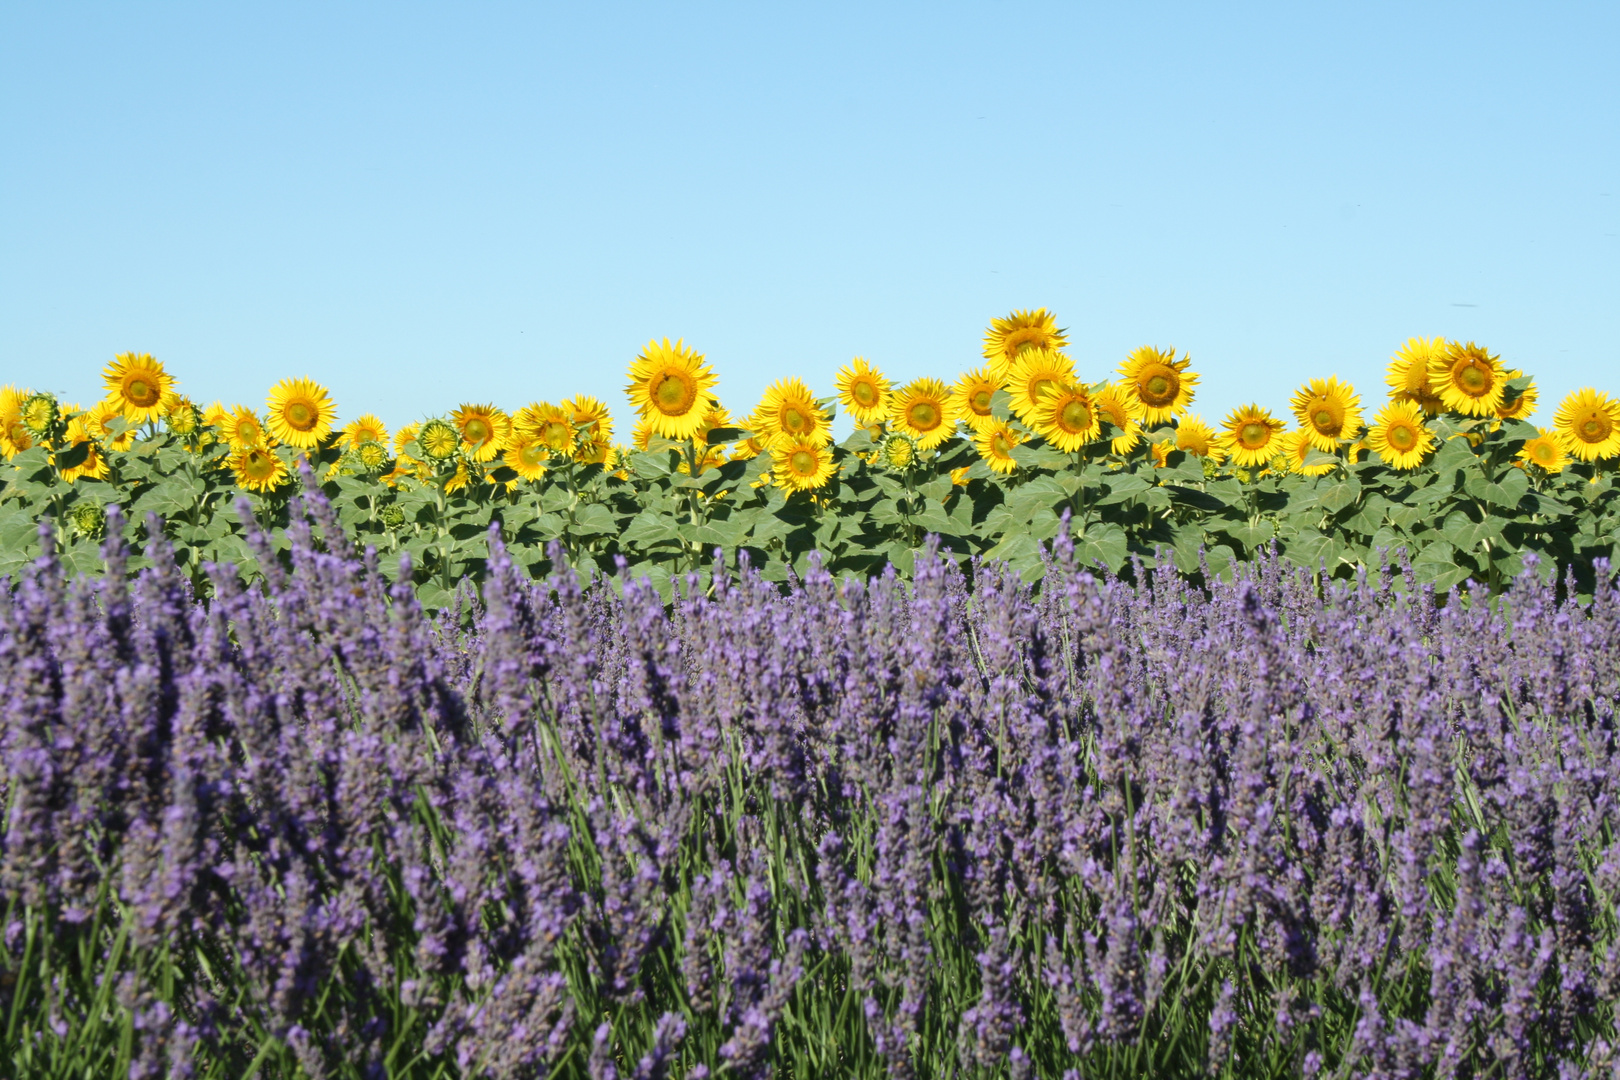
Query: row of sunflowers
pixel 991 463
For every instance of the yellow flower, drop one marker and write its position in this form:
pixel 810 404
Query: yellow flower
pixel 372 456
pixel 1408 375
pixel 300 412
pixel 750 447
pixel 462 478
pixel 526 456
pixel 922 410
pixel 1588 425
pixel 593 427
pixel 1067 418
pixel 258 469
pixel 1544 451
pixel 1251 435
pixel 1296 446
pixel 40 414
pixel 959 476
pixel 863 391
pixel 99 423
pixel 641 436
pixel 1328 412
pixel 1398 436
pixel 1033 371
pixel 244 431
pixel 366 429
pixel 1161 385
pixel 1021 330
pixel 14 434
pixel 788 413
pixel 972 399
pixel 1198 438
pixel 897 451
pixel 1124 413
pixel 484 429
pixel 94 465
pixel 1518 407
pixel 137 384
pixel 1467 379
pixel 995 445
pixel 669 385
pixel 180 415
pixel 552 426
pixel 801 464
pixel 404 436
pixel 216 416
pixel 438 439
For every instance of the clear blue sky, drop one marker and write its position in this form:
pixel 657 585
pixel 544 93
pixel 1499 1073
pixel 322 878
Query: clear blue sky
pixel 420 206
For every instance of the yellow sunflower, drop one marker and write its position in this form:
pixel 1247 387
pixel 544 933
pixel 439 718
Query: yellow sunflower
pixel 897 451
pixel 801 464
pixel 1588 425
pixel 552 426
pixel 669 385
pixel 99 423
pixel 788 413
pixel 1021 330
pixel 1467 379
pixel 715 417
pixel 641 436
pixel 484 429
pixel 1033 371
pixel 94 465
pixel 40 414
pixel 438 439
pixel 1197 438
pixel 1328 411
pixel 1161 385
pixel 181 416
pixel 995 445
pixel 971 395
pixel 216 415
pixel 258 469
pixel 14 435
pixel 404 436
pixel 1119 409
pixel 959 476
pixel 371 455
pixel 1296 447
pixel 1408 375
pixel 1398 436
pixel 593 426
pixel 1520 406
pixel 244 430
pixel 526 456
pixel 366 429
pixel 922 409
pixel 462 479
pixel 750 447
pixel 1067 418
pixel 863 391
pixel 300 412
pixel 137 384
pixel 1544 451
pixel 1251 435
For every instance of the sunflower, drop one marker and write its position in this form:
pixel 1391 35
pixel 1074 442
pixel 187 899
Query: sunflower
pixel 244 430
pixel 1398 436
pixel 863 391
pixel 99 423
pixel 371 455
pixel 1467 379
pixel 1021 330
pixel 258 469
pixel 137 384
pixel 526 456
pixel 641 436
pixel 1518 406
pixel 552 426
pixel 715 417
pixel 923 410
pixel 463 477
pixel 1296 447
pixel 40 414
pixel 14 435
pixel 1251 435
pixel 972 395
pixel 1198 438
pixel 403 436
pixel 438 439
pixel 300 413
pixel 898 452
pixel 1121 410
pixel 1588 425
pixel 216 415
pixel 801 464
pixel 1032 372
pixel 1161 384
pixel 749 448
pixel 484 429
pixel 1067 418
pixel 1408 374
pixel 995 445
pixel 669 385
pixel 959 476
pixel 181 416
pixel 1328 411
pixel 788 413
pixel 593 427
pixel 1544 451
pixel 366 429
pixel 94 465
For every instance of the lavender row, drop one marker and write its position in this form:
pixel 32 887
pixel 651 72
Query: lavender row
pixel 934 828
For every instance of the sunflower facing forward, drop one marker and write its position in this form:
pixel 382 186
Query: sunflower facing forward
pixel 99 422
pixel 243 429
pixel 1033 371
pixel 1544 451
pixel 1588 424
pixel 1161 384
pixel 669 386
pixel 300 412
pixel 552 426
pixel 1520 405
pixel 1251 436
pixel 801 464
pixel 1328 411
pixel 1408 375
pixel 1296 452
pixel 1021 330
pixel 14 435
pixel 593 424
pixel 1067 418
pixel 1398 436
pixel 366 429
pixel 526 456
pixel 1468 379
pixel 995 445
pixel 922 410
pixel 1197 438
pixel 137 385
pixel 484 430
pixel 258 469
pixel 789 413
pixel 972 396
pixel 1121 410
pixel 863 391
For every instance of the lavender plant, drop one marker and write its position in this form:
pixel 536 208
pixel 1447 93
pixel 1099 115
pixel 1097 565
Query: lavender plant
pixel 936 828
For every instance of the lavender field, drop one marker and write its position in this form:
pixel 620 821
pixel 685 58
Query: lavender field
pixel 939 828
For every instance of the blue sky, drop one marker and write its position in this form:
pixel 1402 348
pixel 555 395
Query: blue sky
pixel 420 206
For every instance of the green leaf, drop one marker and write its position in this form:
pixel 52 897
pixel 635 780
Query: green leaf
pixel 1336 497
pixel 1312 548
pixel 719 436
pixel 648 528
pixel 1121 486
pixel 1104 543
pixel 1465 534
pixel 1505 492
pixel 1438 565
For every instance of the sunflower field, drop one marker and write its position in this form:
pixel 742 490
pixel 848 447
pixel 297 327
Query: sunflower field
pixel 1447 475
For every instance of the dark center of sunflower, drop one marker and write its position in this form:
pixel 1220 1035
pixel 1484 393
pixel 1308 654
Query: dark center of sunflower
pixel 1000 445
pixel 1402 437
pixel 300 416
pixel 1473 380
pixel 923 415
pixel 1075 416
pixel 803 462
pixel 1160 388
pixel 258 465
pixel 672 394
pixel 1254 435
pixel 475 431
pixel 1594 429
pixel 141 393
pixel 1543 452
pixel 1324 421
pixel 980 401
pixel 555 435
pixel 865 394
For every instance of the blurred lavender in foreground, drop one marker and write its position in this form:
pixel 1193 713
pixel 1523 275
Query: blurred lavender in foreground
pixel 938 829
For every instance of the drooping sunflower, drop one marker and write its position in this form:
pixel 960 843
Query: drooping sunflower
pixel 94 466
pixel 1296 448
pixel 438 439
pixel 897 451
pixel 372 456
pixel 1119 409
pixel 1588 425
pixel 41 414
pixel 1516 406
pixel 1033 371
pixel 14 435
pixel 1544 451
pixel 1067 418
pixel 1251 435
pixel 244 430
pixel 258 469
pixel 181 416
pixel 1467 379
pixel 801 464
pixel 1197 438
pixel 788 413
pixel 1328 411
pixel 363 430
pixel 972 396
pixel 669 385
pixel 99 423
pixel 1408 374
pixel 484 429
pixel 1398 436
pixel 550 425
pixel 922 409
pixel 526 455
pixel 1161 384
pixel 1021 330
pixel 301 413
pixel 863 391
pixel 593 427
pixel 995 445
pixel 137 384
